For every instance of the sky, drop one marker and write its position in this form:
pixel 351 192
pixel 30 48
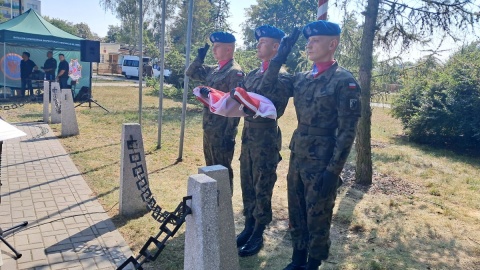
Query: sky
pixel 87 11
pixel 90 12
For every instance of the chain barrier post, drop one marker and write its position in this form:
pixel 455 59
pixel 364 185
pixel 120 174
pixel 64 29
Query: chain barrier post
pixel 56 116
pixel 226 222
pixel 134 189
pixel 134 177
pixel 69 118
pixel 46 101
pixel 202 251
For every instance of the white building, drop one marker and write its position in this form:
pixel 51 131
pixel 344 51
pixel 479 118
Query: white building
pixel 10 8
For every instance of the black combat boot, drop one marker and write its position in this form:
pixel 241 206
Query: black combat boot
pixel 243 237
pixel 255 243
pixel 313 264
pixel 299 260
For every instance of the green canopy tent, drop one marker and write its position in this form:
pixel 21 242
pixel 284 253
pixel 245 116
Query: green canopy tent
pixel 30 32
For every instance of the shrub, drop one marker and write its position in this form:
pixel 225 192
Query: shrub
pixel 442 105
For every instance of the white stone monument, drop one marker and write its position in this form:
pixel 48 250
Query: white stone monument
pixel 46 101
pixel 226 224
pixel 69 118
pixel 202 251
pixel 133 171
pixel 56 103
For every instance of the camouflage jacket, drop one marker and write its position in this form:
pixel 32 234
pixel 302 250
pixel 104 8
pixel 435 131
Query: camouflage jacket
pixel 277 93
pixel 224 79
pixel 330 102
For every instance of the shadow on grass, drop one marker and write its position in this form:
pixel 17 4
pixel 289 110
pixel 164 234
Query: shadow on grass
pixel 397 247
pixel 164 168
pixel 402 249
pixel 93 148
pixel 452 153
pixel 172 114
pixel 343 220
pixel 31 115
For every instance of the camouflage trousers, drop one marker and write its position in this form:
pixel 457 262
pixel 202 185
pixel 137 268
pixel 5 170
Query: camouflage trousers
pixel 219 153
pixel 258 165
pixel 310 215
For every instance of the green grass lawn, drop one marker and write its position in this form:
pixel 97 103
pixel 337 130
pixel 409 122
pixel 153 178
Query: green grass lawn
pixel 422 211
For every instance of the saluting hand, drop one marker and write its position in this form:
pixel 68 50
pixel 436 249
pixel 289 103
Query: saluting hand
pixel 202 52
pixel 286 46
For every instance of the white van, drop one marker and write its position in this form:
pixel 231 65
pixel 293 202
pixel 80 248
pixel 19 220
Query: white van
pixel 130 67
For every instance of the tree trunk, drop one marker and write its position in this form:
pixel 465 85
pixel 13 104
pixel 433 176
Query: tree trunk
pixel 363 172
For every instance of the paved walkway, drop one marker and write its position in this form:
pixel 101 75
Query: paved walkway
pixel 67 226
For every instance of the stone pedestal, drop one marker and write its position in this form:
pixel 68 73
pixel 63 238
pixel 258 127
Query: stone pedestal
pixel 56 103
pixel 69 118
pixel 46 101
pixel 226 225
pixel 202 251
pixel 133 171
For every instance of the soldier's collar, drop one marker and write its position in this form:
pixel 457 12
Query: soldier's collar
pixel 222 64
pixel 325 75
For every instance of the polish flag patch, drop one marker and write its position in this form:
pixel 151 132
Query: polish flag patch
pixel 352 86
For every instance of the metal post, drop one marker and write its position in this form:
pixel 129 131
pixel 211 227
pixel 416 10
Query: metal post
pixel 162 74
pixel 11 9
pixel 185 81
pixel 4 68
pixel 140 62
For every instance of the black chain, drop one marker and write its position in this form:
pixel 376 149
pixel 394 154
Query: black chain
pixel 170 221
pixel 11 106
pixel 58 105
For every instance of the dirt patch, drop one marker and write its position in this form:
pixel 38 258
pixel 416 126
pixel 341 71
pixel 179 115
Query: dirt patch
pixel 381 184
pixel 376 144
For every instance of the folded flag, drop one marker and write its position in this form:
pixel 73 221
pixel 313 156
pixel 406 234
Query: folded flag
pixel 232 105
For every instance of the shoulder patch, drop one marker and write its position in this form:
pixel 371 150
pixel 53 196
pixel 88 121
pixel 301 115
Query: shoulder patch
pixel 240 74
pixel 352 86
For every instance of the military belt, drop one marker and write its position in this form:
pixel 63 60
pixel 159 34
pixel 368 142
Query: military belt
pixel 302 128
pixel 249 124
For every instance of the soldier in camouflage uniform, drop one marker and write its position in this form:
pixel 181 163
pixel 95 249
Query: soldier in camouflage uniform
pixel 218 132
pixel 261 144
pixel 327 103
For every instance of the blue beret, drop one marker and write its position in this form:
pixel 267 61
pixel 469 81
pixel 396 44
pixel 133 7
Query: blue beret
pixel 321 28
pixel 222 37
pixel 268 31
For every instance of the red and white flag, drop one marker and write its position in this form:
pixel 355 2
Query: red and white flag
pixel 222 104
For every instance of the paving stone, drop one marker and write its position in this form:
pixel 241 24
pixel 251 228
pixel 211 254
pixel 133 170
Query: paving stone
pixel 31 264
pixel 35 238
pixel 42 186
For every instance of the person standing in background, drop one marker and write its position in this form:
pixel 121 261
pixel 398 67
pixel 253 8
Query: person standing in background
pixel 27 67
pixel 63 69
pixel 50 66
